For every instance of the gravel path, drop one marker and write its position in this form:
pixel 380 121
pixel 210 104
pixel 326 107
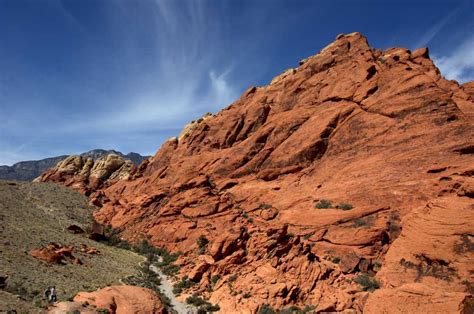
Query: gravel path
pixel 167 289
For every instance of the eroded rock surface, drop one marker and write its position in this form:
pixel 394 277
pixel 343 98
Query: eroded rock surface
pixel 86 175
pixel 380 130
pixel 114 299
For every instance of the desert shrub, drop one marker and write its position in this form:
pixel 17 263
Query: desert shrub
pixel 266 309
pixel 215 279
pixel 170 270
pixel 150 252
pixel 376 265
pixel 345 206
pixel 323 204
pixel 309 309
pixel 195 300
pixel 148 279
pixel 232 278
pixel 336 260
pixel 145 277
pixel 202 242
pixel 265 206
pixel 464 245
pixel 368 283
pixel 112 238
pixel 291 310
pixel 185 283
pixel 247 295
pixel 436 268
pixel 361 223
pixel 201 304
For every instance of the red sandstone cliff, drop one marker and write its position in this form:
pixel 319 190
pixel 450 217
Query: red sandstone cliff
pixel 381 130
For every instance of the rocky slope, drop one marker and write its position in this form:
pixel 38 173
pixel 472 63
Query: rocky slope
pixel 86 175
pixel 29 170
pixel 351 172
pixel 38 249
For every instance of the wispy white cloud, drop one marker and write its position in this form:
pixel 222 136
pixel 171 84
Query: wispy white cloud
pixel 435 29
pixel 189 76
pixel 459 64
pixel 223 92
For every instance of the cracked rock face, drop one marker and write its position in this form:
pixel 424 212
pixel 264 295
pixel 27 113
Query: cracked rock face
pixel 85 175
pixel 379 130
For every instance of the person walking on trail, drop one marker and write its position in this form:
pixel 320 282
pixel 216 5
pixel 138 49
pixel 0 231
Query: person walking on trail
pixel 47 292
pixel 53 297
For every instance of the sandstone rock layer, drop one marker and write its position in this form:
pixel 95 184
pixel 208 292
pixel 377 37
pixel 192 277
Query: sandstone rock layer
pixel 114 299
pixel 86 175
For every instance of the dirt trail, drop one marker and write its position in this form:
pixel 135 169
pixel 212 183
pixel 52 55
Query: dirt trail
pixel 167 289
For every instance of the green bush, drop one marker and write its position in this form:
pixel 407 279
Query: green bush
pixel 344 206
pixel 368 283
pixel 336 260
pixel 247 295
pixel 202 242
pixel 291 310
pixel 377 265
pixel 309 309
pixel 232 278
pixel 215 279
pixel 323 204
pixel 148 279
pixel 265 206
pixel 185 283
pixel 266 309
pixel 112 238
pixel 201 304
pixel 170 270
pixel 360 223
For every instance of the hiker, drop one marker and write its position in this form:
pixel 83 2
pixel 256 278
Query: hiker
pixel 47 292
pixel 53 297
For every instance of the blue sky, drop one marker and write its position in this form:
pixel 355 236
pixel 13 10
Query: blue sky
pixel 125 74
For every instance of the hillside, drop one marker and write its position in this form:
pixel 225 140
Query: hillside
pixel 32 216
pixel 345 184
pixel 29 170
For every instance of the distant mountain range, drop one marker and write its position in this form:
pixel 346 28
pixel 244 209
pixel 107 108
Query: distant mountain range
pixel 28 170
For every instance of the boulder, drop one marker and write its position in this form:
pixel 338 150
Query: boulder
pixel 123 299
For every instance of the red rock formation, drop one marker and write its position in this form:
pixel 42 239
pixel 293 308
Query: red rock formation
pixel 115 299
pixel 381 130
pixel 54 253
pixel 85 175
